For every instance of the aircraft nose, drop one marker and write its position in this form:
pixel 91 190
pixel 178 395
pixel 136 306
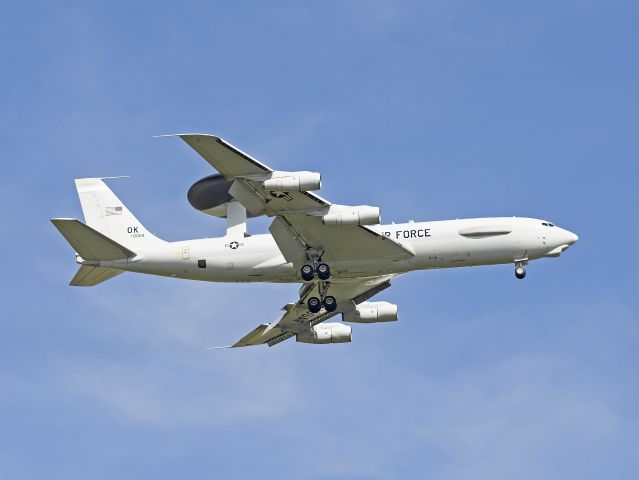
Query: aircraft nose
pixel 572 237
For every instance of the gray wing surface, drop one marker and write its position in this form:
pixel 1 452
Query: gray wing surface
pixel 297 318
pixel 298 226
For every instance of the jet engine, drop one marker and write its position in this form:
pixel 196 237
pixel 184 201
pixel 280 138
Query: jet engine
pixel 325 333
pixel 293 181
pixel 371 312
pixel 341 215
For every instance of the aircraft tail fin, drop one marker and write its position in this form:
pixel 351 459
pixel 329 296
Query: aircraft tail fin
pixel 104 212
pixel 90 244
pixel 87 276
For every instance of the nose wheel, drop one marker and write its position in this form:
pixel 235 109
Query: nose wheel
pixel 520 270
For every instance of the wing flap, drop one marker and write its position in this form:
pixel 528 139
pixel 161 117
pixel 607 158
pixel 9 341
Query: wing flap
pixel 288 240
pixel 347 243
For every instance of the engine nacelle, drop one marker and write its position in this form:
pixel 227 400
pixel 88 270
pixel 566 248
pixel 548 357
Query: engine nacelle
pixel 371 312
pixel 326 333
pixel 293 181
pixel 340 215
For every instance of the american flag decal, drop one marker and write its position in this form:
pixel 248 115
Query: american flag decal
pixel 113 211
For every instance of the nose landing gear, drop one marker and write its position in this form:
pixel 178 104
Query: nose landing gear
pixel 520 271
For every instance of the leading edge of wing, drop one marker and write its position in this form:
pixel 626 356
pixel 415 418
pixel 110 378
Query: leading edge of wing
pixel 206 145
pixel 213 149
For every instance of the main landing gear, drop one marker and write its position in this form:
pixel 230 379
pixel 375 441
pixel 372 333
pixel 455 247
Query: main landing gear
pixel 322 270
pixel 520 271
pixel 315 304
pixel 308 272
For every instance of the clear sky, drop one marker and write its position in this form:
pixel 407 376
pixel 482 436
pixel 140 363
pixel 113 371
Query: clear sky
pixel 430 110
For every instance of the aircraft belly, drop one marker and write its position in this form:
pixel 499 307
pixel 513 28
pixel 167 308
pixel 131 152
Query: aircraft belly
pixel 367 268
pixel 453 251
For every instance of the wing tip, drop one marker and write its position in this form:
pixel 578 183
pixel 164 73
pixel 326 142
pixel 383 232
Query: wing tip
pixel 182 135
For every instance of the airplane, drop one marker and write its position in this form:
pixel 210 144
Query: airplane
pixel 342 255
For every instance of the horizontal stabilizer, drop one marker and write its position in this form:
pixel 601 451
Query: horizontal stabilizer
pixel 89 243
pixel 88 276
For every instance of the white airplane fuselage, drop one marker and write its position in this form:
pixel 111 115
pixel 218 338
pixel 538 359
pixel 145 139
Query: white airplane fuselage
pixel 437 244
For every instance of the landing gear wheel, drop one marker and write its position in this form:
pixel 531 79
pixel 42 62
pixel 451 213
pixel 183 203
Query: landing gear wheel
pixel 520 272
pixel 323 271
pixel 307 272
pixel 330 304
pixel 314 304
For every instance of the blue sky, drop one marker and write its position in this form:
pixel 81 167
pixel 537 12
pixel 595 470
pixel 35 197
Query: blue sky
pixel 430 110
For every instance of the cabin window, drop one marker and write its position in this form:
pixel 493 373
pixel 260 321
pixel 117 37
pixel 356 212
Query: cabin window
pixel 201 263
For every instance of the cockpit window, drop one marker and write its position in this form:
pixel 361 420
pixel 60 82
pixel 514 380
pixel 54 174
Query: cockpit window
pixel 544 224
pixel 547 224
pixel 550 224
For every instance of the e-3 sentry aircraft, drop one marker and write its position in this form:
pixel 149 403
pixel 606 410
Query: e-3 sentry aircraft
pixel 341 254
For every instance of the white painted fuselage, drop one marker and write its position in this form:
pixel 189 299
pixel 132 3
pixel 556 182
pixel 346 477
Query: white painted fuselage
pixel 437 244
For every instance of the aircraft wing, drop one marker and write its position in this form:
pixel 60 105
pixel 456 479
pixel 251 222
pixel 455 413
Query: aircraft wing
pixel 299 226
pixel 297 318
pixel 237 165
